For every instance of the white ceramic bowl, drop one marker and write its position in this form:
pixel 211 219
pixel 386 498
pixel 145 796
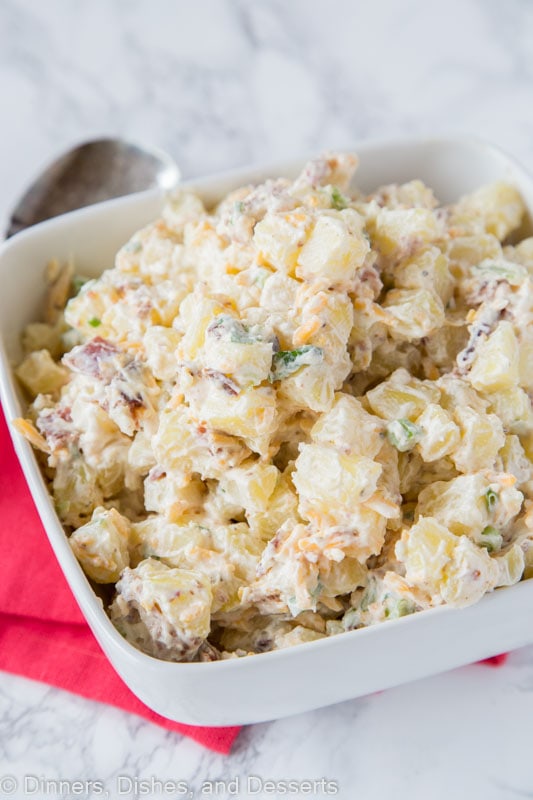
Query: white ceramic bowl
pixel 310 675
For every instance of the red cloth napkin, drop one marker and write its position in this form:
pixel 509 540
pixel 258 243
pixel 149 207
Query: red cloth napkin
pixel 43 634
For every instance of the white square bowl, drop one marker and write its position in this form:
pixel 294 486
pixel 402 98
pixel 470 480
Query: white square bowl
pixel 307 676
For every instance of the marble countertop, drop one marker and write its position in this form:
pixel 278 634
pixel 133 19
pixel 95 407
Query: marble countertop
pixel 227 82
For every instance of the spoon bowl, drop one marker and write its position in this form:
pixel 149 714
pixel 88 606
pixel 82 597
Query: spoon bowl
pixel 89 173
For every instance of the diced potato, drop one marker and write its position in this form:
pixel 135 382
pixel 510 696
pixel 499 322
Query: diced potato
pixel 525 359
pixel 235 352
pixel 515 461
pixel 411 194
pixel 444 344
pixel 334 311
pixel 41 336
pixel 498 207
pixel 395 230
pixel 182 208
pixel 282 506
pixel 522 253
pixel 482 436
pixel 465 252
pixel 457 393
pixel 250 415
pixel 496 365
pixel 184 446
pixel 160 346
pixel 159 538
pixel 448 568
pixel 330 483
pixel 341 577
pixel 414 312
pixel 427 269
pixel 196 313
pixel 85 311
pixel 298 635
pixel 349 428
pixel 241 548
pixel 164 611
pixel 204 249
pixel 40 374
pixel 167 495
pixel 76 491
pixel 467 504
pixel 335 250
pixel 101 545
pixel 251 485
pixel 402 396
pixel 312 387
pixel 512 565
pixel 279 238
pixel 513 407
pixel 440 434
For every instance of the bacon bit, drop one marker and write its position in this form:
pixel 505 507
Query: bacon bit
pixel 227 384
pixel 304 332
pixel 134 403
pixel 90 358
pixel 156 473
pixel 26 429
pixel 55 425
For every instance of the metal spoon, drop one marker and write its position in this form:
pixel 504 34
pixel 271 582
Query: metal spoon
pixel 91 172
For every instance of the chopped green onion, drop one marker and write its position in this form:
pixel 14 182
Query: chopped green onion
pixel 230 329
pixel 369 596
pixel 95 322
pixel 398 607
pixel 78 281
pixel 403 434
pixel 509 271
pixel 492 538
pixel 491 498
pixel 285 362
pixel 351 620
pixel 133 246
pixel 338 200
pixel 293 606
pixel 317 591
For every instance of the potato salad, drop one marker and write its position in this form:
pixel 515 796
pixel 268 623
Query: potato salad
pixel 302 411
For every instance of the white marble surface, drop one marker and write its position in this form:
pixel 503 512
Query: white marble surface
pixel 230 82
